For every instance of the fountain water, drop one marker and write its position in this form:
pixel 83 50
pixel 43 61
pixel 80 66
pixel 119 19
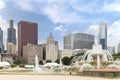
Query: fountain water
pixel 95 59
pixel 37 68
pixel 47 68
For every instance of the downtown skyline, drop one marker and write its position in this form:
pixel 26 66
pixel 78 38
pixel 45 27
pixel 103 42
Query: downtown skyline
pixel 63 17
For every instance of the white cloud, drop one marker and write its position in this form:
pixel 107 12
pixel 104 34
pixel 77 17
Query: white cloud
pixel 113 7
pixel 85 6
pixel 2 4
pixel 114 34
pixel 93 29
pixel 60 14
pixel 57 11
pixel 60 28
pixel 66 11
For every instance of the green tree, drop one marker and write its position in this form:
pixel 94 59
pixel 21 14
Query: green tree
pixel 66 60
pixel 17 62
pixel 57 61
pixel 41 62
pixel 70 59
pixel 79 54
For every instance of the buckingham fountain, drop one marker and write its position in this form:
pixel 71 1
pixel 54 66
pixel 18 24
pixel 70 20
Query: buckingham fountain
pixel 98 61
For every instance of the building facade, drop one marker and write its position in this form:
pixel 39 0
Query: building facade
pixel 43 51
pixel 119 48
pixel 11 33
pixel 1 41
pixel 103 35
pixel 27 33
pixel 111 50
pixel 65 52
pixel 78 41
pixel 8 58
pixel 11 48
pixel 29 52
pixel 51 49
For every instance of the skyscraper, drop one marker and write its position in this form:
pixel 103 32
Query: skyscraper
pixel 103 35
pixel 11 37
pixel 119 48
pixel 1 41
pixel 27 33
pixel 78 41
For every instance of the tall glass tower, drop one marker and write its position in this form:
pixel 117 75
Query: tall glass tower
pixel 1 41
pixel 11 38
pixel 103 35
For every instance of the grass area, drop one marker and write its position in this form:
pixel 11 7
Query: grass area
pixel 115 56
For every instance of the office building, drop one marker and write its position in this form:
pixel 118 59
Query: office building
pixel 65 53
pixel 11 33
pixel 1 41
pixel 103 35
pixel 27 33
pixel 51 49
pixel 43 51
pixel 11 38
pixel 111 50
pixel 119 48
pixel 78 41
pixel 29 52
pixel 11 48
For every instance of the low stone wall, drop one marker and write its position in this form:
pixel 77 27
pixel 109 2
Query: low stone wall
pixel 106 73
pixel 101 74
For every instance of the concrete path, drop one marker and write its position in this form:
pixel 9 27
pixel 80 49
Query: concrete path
pixel 48 77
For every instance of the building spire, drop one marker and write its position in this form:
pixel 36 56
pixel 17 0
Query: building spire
pixel 50 34
pixel 11 23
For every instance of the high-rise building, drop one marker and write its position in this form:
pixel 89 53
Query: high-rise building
pixel 78 41
pixel 11 37
pixel 103 35
pixel 1 41
pixel 119 48
pixel 51 48
pixel 27 33
pixel 111 50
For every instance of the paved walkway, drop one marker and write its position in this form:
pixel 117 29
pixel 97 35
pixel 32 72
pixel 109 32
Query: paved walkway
pixel 48 77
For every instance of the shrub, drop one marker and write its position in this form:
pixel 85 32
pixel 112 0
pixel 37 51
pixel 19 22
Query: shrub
pixel 48 61
pixel 1 67
pixel 57 61
pixel 13 65
pixel 41 62
pixel 17 62
pixel 66 60
pixel 21 65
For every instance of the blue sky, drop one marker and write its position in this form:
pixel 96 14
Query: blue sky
pixel 64 16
